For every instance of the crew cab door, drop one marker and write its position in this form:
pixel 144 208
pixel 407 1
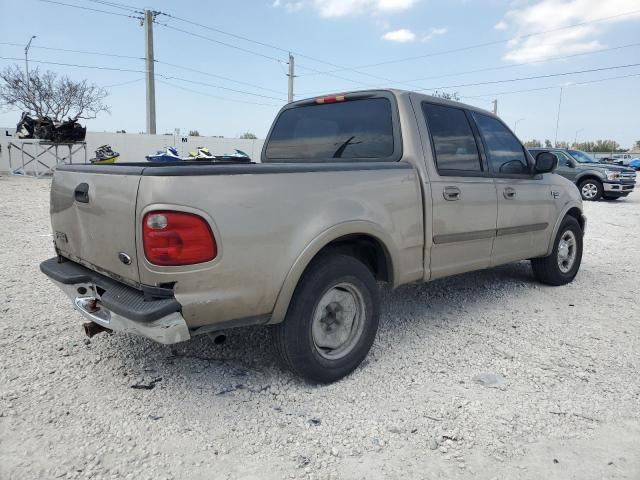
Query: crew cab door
pixel 526 208
pixel 464 211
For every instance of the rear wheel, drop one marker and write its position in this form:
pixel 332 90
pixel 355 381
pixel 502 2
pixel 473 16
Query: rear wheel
pixel 590 189
pixel 563 264
pixel 332 320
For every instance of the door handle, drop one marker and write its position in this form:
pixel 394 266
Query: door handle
pixel 451 193
pixel 509 193
pixel 81 193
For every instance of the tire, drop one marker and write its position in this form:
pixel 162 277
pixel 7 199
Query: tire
pixel 315 340
pixel 590 189
pixel 548 270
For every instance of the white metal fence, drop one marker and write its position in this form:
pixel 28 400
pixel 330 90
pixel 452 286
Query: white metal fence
pixel 133 147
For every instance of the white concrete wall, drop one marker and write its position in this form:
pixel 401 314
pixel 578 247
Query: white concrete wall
pixel 133 146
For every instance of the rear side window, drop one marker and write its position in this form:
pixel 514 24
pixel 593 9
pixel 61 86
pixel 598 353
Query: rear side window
pixel 506 154
pixel 344 131
pixel 453 141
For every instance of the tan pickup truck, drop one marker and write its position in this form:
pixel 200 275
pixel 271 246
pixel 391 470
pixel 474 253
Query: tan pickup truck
pixel 352 190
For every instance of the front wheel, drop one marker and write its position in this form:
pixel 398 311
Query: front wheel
pixel 332 320
pixel 563 264
pixel 590 189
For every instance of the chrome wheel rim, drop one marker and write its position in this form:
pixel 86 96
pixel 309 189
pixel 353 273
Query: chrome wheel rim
pixel 589 191
pixel 338 321
pixel 567 247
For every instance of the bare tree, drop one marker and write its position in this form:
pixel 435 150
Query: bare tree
pixel 49 95
pixel 446 95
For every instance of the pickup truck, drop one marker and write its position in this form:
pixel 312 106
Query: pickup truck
pixel 353 190
pixel 595 180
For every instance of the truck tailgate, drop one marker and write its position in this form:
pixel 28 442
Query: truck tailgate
pixel 93 220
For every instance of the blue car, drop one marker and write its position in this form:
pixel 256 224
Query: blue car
pixel 635 163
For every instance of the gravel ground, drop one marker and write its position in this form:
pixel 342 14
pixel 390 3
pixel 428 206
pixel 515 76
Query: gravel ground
pixel 484 375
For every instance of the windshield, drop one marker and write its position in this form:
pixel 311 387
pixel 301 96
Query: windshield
pixel 344 131
pixel 582 157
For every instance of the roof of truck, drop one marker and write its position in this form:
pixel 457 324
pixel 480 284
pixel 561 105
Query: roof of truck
pixel 399 92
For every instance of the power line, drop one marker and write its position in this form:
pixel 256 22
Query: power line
pixel 182 67
pixel 214 75
pixel 195 82
pixel 68 50
pixel 168 77
pixel 117 5
pixel 536 77
pixel 81 7
pixel 123 83
pixel 219 42
pixel 486 44
pixel 551 87
pixel 217 97
pixel 532 62
pixel 77 65
pixel 284 50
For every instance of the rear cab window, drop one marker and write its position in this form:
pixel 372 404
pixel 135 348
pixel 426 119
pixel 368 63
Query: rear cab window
pixel 361 128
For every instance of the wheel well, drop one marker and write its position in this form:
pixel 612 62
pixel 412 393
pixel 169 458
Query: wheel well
pixel 369 250
pixel 589 177
pixel 577 214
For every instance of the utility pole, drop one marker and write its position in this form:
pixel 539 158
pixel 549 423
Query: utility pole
pixel 149 15
pixel 558 118
pixel 495 106
pixel 515 127
pixel 26 63
pixel 291 76
pixel 575 140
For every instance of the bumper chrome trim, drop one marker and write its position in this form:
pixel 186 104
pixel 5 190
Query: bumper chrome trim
pixel 167 330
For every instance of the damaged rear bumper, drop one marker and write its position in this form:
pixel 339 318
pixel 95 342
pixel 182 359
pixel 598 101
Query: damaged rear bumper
pixel 116 306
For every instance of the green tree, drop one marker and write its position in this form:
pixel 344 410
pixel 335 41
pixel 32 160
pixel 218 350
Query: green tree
pixel 194 133
pixel 248 135
pixel 532 143
pixel 636 146
pixel 547 144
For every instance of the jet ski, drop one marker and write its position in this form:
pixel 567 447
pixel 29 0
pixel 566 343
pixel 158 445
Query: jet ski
pixel 169 154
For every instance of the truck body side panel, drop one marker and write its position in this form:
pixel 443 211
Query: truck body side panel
pixel 263 223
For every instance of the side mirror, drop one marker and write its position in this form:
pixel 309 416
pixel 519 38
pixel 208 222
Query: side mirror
pixel 545 162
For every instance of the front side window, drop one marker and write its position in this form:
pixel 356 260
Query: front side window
pixel 504 150
pixel 352 130
pixel 453 141
pixel 563 159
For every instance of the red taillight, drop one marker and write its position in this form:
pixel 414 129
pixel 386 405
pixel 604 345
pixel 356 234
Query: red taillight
pixel 177 238
pixel 332 99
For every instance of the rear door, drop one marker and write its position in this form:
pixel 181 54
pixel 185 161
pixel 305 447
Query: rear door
pixel 93 218
pixel 526 207
pixel 463 193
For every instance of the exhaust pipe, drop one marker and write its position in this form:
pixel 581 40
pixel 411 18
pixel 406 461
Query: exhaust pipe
pixel 91 329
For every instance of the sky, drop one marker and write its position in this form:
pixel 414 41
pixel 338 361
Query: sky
pixel 221 65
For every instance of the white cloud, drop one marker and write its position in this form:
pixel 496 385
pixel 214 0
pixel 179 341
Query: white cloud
pixel 403 35
pixel 394 5
pixel 547 15
pixel 291 7
pixel 434 33
pixel 342 8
